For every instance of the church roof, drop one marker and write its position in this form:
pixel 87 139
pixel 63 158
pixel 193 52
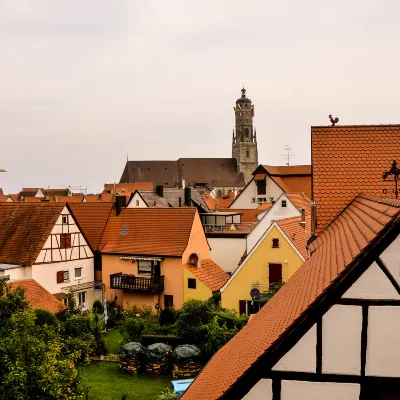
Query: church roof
pixel 210 171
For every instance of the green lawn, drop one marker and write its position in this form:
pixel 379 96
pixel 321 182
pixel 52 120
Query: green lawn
pixel 113 341
pixel 108 383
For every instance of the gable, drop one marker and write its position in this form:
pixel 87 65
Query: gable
pixel 137 201
pixel 65 230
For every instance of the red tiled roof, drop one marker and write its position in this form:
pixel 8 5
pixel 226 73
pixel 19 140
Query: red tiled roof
pixel 218 202
pixel 25 228
pixel 90 198
pixel 348 160
pixel 292 179
pixel 209 273
pixel 92 219
pixel 2 196
pixel 344 240
pixel 248 214
pixel 148 231
pixel 126 188
pixel 264 206
pixel 296 233
pixel 300 201
pixel 38 296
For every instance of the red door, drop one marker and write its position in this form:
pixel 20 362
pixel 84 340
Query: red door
pixel 275 273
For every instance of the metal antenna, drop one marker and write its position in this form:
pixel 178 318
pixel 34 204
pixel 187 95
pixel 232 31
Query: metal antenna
pixel 288 155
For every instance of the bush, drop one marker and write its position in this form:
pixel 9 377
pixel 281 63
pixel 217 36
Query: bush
pixel 97 307
pixel 133 326
pixel 167 316
pixel 76 325
pixel 232 320
pixel 44 317
pixel 167 395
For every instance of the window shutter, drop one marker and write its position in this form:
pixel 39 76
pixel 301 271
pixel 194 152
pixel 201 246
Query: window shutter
pixel 242 307
pixel 68 240
pixel 60 276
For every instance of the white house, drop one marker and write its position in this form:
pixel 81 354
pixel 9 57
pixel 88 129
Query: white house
pixel 42 241
pixel 331 332
pixel 270 182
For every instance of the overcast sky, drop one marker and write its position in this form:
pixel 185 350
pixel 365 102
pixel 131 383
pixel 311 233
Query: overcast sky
pixel 84 82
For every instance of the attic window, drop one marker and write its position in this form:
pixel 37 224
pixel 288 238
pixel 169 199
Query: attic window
pixel 275 243
pixel 65 219
pixel 283 203
pixel 191 283
pixel 123 230
pixel 65 241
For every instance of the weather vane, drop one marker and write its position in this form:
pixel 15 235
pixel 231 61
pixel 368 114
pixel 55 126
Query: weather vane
pixel 334 121
pixel 396 173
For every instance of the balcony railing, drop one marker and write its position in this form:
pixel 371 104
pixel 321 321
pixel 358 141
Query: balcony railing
pixel 137 283
pixel 230 228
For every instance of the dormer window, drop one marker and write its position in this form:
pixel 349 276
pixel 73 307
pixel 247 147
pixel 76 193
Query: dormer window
pixel 283 203
pixel 275 243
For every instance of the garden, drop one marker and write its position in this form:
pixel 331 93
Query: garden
pixel 75 357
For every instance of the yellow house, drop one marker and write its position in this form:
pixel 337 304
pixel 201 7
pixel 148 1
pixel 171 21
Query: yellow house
pixel 275 257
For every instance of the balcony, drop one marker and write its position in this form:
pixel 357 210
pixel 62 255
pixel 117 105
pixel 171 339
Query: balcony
pixel 138 284
pixel 230 228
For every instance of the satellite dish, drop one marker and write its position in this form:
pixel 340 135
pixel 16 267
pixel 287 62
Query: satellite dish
pixel 255 294
pixel 193 259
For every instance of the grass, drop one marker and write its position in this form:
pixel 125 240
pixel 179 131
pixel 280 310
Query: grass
pixel 113 341
pixel 108 383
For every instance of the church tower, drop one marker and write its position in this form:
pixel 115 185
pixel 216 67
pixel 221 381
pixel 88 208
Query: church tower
pixel 244 140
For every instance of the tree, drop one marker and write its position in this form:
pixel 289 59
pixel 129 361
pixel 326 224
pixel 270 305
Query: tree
pixel 32 364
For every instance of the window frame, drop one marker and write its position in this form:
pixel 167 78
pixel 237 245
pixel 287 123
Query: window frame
pixel 82 303
pixel 144 272
pixel 284 203
pixel 65 241
pixel 66 279
pixel 168 301
pixel 192 283
pixel 80 268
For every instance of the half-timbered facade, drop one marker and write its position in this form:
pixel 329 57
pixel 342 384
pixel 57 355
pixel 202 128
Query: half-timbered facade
pixel 44 243
pixel 331 332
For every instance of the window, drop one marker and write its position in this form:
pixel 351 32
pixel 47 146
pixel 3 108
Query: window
pixel 283 203
pixel 191 283
pixel 82 299
pixel 248 307
pixel 78 272
pixel 275 273
pixel 246 133
pixel 62 276
pixel 275 243
pixel 247 153
pixel 219 193
pixel 65 219
pixel 262 187
pixel 65 241
pixel 253 199
pixel 137 203
pixel 168 301
pixel 262 199
pixel 145 267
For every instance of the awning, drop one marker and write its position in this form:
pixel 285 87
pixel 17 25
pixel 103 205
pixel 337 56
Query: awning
pixel 259 177
pixel 83 286
pixel 148 258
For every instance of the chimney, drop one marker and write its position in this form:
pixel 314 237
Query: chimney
pixel 120 202
pixel 313 217
pixel 188 196
pixel 303 218
pixel 160 190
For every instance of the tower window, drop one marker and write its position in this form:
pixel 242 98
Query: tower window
pixel 247 154
pixel 246 133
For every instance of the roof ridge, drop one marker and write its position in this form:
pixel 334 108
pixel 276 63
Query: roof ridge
pixel 354 126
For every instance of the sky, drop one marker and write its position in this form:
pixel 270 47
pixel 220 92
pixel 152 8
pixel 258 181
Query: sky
pixel 86 83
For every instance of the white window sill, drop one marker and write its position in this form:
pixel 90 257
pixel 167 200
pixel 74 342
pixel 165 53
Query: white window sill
pixel 78 279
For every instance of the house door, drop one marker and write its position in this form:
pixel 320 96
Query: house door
pixel 157 270
pixel 275 273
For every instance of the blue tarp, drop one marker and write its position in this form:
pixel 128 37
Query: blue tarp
pixel 181 385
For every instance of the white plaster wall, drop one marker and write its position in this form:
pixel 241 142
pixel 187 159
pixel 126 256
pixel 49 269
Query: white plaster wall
pixel 226 252
pixel 273 189
pixel 244 199
pixel 17 273
pixel 132 203
pixel 372 284
pixel 46 274
pixel 383 350
pixel 391 258
pixel 298 390
pixel 302 356
pixel 275 213
pixel 262 390
pixel 341 340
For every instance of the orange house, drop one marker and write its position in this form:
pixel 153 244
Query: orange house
pixel 157 257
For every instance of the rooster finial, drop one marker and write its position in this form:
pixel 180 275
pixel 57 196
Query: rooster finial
pixel 334 121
